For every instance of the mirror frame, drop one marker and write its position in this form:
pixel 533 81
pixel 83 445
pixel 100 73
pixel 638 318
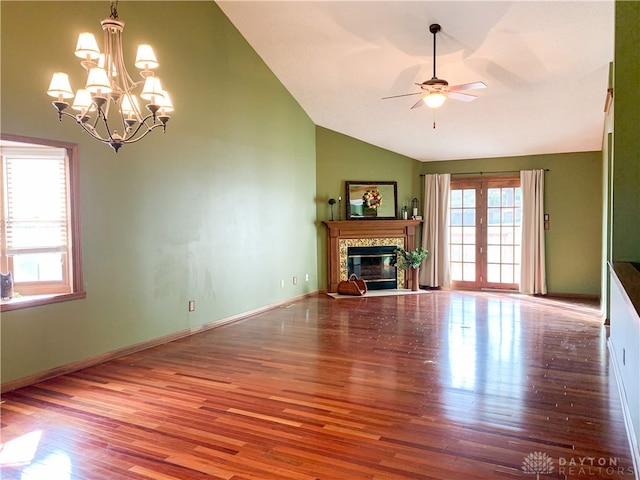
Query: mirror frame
pixel 388 191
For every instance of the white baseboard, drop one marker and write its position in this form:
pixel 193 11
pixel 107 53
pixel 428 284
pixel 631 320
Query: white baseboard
pixel 631 433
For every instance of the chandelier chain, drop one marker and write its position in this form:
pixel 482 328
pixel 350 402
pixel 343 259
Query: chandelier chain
pixel 114 9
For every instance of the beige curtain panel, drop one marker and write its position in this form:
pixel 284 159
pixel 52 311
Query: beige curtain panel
pixel 532 263
pixel 435 231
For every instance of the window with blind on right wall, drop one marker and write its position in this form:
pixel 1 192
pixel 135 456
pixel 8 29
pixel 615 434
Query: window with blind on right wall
pixel 40 242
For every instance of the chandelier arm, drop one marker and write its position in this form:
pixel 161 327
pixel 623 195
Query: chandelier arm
pixel 105 111
pixel 91 131
pixel 143 122
pixel 130 136
pixel 135 132
pixel 127 82
pixel 125 128
pixel 95 122
pixel 67 114
pixel 125 88
pixel 105 123
pixel 154 126
pixel 128 132
pixel 88 129
pixel 149 117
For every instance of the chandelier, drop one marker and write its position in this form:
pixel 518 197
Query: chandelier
pixel 107 104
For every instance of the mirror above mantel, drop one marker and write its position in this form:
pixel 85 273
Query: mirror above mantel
pixel 369 200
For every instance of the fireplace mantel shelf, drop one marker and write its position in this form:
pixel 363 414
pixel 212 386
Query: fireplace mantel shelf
pixel 373 226
pixel 350 229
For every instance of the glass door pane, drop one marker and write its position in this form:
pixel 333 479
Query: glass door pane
pixel 462 239
pixel 504 211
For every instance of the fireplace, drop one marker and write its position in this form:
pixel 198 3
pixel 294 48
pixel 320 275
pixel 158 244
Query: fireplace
pixel 345 234
pixel 374 265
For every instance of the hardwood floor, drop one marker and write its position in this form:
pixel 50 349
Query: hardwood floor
pixel 444 385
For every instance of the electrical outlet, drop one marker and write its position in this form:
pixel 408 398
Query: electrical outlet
pixel 282 283
pixel 306 277
pixel 192 305
pixel 295 280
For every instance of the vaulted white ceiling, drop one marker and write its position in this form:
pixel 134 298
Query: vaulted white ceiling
pixel 545 64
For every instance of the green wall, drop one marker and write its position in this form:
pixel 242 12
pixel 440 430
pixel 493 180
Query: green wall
pixel 341 158
pixel 624 213
pixel 218 210
pixel 573 200
pixel 626 140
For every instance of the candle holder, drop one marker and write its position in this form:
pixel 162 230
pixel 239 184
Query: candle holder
pixel 414 208
pixel 332 202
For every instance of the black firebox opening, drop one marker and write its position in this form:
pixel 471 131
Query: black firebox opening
pixel 373 264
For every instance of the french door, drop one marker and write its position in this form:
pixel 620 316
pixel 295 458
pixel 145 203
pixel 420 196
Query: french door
pixel 484 232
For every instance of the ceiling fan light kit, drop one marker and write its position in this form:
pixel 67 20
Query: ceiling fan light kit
pixel 436 91
pixel 434 100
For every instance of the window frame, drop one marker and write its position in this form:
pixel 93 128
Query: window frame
pixel 75 243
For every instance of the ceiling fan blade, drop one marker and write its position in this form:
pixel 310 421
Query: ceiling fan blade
pixel 467 86
pixel 419 103
pixel 403 95
pixel 463 97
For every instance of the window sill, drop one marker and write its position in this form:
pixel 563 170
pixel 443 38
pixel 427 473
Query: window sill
pixel 28 301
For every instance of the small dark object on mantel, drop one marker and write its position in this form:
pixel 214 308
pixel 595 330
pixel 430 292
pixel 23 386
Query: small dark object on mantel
pixel 332 202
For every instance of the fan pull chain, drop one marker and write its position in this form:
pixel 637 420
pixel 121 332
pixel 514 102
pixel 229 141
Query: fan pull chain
pixel 434 119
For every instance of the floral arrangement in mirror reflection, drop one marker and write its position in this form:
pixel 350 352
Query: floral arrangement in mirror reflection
pixel 372 199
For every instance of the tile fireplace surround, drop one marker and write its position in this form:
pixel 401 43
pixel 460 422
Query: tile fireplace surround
pixel 349 233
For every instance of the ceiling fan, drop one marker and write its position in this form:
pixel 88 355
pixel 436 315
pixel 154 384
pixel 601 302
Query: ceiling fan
pixel 436 91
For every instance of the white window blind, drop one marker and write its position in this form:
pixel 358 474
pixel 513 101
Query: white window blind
pixel 36 203
pixel 39 230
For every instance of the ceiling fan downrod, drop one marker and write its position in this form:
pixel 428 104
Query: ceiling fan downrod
pixel 434 28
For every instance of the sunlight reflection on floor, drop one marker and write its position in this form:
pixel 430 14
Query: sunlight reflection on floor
pixel 22 451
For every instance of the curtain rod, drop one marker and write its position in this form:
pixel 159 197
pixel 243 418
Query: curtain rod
pixel 484 173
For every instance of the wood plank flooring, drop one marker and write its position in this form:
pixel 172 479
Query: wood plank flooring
pixel 447 385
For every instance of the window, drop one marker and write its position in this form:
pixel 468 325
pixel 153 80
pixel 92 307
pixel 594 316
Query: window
pixel 484 232
pixel 40 239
